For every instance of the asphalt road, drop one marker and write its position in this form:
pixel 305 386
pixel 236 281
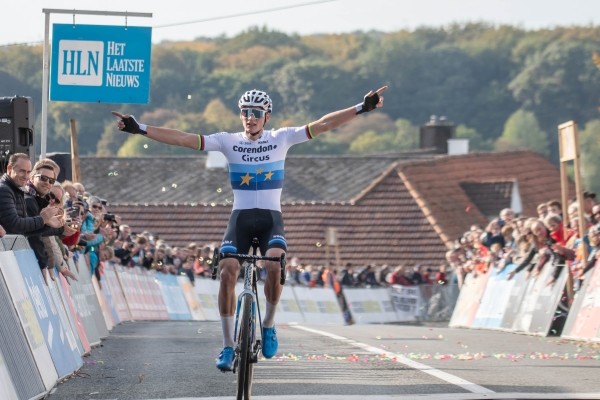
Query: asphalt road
pixel 175 360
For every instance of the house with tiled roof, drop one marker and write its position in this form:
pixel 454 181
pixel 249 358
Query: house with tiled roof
pixel 384 209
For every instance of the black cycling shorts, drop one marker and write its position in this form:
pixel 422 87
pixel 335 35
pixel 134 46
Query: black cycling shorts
pixel 244 225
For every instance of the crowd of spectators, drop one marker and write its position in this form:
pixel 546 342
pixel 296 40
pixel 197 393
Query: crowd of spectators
pixel 532 243
pixel 63 220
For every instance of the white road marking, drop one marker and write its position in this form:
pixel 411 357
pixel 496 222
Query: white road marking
pixel 454 380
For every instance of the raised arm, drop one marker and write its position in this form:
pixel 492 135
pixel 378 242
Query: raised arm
pixel 127 123
pixel 335 119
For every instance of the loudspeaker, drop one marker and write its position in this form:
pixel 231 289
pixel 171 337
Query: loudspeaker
pixel 16 128
pixel 64 162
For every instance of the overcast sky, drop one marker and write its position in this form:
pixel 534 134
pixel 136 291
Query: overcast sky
pixel 23 21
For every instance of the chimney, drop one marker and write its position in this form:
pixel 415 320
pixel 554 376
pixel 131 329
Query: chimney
pixel 436 133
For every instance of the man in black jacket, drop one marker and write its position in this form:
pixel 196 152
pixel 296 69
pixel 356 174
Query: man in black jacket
pixel 13 214
pixel 42 178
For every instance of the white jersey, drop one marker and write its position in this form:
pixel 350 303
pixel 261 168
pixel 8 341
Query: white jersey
pixel 256 168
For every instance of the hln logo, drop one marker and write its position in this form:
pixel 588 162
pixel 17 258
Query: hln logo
pixel 80 62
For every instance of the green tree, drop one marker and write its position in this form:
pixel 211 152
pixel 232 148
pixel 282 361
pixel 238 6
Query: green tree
pixel 560 83
pixel 407 135
pixel 522 131
pixel 373 142
pixel 476 142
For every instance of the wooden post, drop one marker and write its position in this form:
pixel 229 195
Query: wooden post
pixel 76 172
pixel 569 151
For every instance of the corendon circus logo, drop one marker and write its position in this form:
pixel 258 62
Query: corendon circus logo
pixel 255 150
pixel 87 63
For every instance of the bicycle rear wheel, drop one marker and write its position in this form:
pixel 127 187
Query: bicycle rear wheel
pixel 245 344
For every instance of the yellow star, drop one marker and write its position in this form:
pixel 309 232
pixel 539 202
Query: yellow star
pixel 246 179
pixel 268 176
pixel 260 171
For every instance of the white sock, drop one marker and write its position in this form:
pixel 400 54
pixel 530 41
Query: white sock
pixel 227 325
pixel 269 319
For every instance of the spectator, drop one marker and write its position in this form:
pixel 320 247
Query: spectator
pixel 13 214
pixel 493 233
pixel 42 178
pixel 382 274
pixel 440 275
pixel 589 201
pixel 90 231
pixel 542 210
pixel 507 232
pixel 596 214
pixel 555 207
pixel 507 215
pixel 555 225
pixel 347 276
pixel 58 255
pixel 124 233
pixel 305 275
pixel 2 231
pixel 399 277
pixel 124 253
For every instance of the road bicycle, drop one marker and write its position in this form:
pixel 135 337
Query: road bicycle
pixel 248 346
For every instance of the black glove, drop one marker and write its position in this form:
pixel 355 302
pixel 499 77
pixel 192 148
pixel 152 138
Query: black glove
pixel 368 104
pixel 132 126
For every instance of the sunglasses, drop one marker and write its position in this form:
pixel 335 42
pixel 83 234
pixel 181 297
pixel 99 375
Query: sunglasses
pixel 97 207
pixel 45 178
pixel 52 196
pixel 248 112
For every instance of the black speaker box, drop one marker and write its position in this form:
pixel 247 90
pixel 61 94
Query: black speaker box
pixel 16 128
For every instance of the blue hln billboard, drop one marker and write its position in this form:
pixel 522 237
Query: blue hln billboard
pixel 100 63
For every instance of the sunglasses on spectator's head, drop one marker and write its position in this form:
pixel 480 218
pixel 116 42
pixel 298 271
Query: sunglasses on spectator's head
pixel 45 178
pixel 52 196
pixel 247 112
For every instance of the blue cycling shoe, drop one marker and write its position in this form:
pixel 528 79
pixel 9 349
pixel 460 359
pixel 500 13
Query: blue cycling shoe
pixel 269 345
pixel 225 359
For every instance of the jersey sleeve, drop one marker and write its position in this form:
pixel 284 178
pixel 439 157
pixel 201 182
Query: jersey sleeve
pixel 213 142
pixel 292 136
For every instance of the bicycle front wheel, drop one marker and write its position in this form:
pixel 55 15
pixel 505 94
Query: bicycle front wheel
pixel 245 344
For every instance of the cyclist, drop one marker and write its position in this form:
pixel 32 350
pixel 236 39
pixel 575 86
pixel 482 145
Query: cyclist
pixel 256 169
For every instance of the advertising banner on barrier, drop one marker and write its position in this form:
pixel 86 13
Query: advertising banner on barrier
pixel 55 334
pixel 7 389
pixel 103 304
pixel 176 305
pixel 191 298
pixel 207 291
pixel 157 305
pixel 494 301
pixel 132 292
pixel 288 309
pixel 583 321
pixel 86 304
pixel 371 305
pixel 73 341
pixel 468 300
pixel 319 305
pixel 100 63
pixel 117 298
pixel 21 338
pixel 75 317
pixel 539 306
pixel 407 302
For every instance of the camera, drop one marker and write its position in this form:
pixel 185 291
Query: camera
pixel 109 217
pixel 73 212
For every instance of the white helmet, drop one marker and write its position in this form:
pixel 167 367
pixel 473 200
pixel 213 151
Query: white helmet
pixel 256 98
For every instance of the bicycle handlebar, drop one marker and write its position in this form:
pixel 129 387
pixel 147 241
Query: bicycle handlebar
pixel 250 257
pixel 218 256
